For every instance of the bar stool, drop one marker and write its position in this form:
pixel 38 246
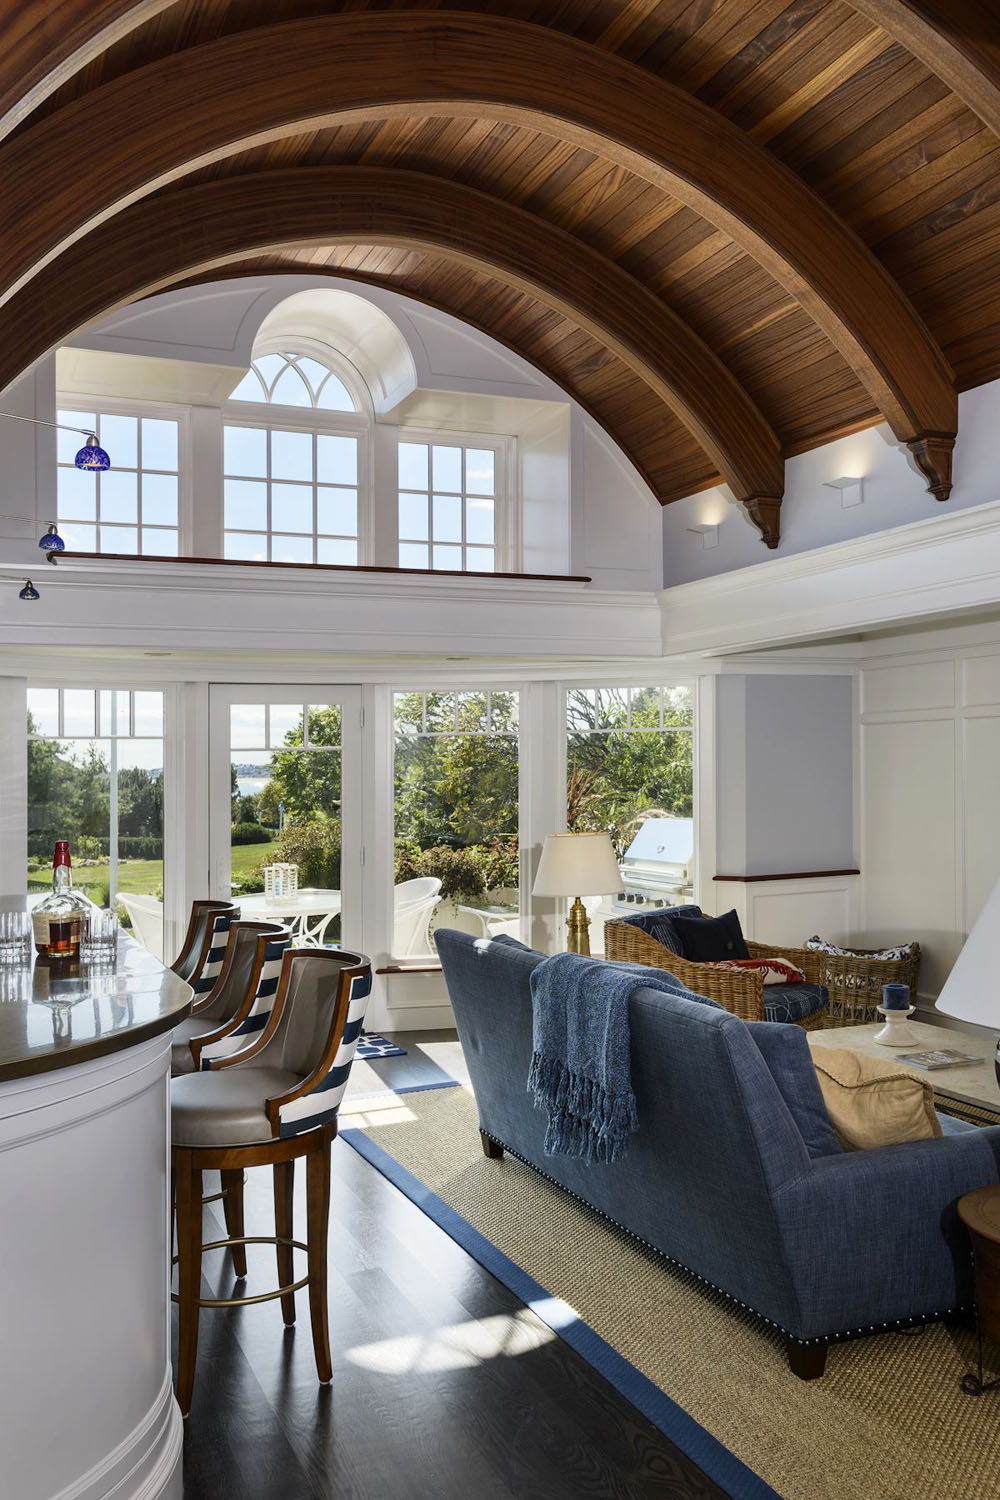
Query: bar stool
pixel 229 1017
pixel 268 1105
pixel 240 1001
pixel 204 941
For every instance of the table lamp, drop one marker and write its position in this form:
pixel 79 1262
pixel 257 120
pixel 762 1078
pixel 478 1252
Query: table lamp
pixel 970 991
pixel 577 864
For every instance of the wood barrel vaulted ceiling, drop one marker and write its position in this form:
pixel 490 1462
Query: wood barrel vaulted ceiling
pixel 731 229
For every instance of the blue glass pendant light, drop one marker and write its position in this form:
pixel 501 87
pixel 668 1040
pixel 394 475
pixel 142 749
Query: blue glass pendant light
pixel 52 541
pixel 29 591
pixel 92 455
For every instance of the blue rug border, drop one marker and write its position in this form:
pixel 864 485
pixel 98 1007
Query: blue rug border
pixel 696 1442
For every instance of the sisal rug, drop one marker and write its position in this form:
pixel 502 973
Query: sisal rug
pixel 888 1421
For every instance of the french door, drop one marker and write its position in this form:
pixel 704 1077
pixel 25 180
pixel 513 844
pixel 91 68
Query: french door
pixel 285 788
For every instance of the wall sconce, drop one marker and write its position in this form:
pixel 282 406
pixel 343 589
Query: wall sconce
pixel 852 491
pixel 709 534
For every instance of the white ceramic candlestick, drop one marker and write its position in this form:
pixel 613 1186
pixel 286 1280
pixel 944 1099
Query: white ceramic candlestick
pixel 897 1031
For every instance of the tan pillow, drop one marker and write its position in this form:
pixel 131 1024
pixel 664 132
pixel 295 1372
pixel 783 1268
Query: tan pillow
pixel 872 1102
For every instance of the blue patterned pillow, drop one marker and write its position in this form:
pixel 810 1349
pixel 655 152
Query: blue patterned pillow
pixel 659 924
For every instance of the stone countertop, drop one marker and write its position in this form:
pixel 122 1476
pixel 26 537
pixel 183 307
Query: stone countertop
pixel 55 1014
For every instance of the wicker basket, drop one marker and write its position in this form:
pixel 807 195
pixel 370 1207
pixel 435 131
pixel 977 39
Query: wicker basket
pixel 739 991
pixel 855 983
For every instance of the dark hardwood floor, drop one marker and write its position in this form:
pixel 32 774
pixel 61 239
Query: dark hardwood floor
pixel 444 1384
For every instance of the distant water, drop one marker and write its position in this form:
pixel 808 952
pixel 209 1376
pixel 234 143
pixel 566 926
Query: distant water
pixel 251 786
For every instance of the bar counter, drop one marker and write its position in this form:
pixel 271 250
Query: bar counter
pixel 86 1394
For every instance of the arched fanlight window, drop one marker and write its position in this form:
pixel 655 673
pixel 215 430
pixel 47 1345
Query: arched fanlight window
pixel 294 380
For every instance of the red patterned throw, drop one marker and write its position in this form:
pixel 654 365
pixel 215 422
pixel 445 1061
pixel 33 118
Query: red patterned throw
pixel 774 970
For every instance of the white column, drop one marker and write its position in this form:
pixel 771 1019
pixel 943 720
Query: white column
pixel 185 807
pixel 384 487
pixel 13 785
pixel 201 493
pixel 543 803
pixel 378 840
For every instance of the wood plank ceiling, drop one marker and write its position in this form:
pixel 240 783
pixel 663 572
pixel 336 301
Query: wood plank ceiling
pixel 779 219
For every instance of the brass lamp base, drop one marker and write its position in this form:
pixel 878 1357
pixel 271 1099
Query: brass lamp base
pixel 578 929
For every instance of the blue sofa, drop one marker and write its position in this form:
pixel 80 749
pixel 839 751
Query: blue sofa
pixel 734 1172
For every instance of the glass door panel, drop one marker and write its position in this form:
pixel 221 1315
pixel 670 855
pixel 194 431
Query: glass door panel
pixel 284 778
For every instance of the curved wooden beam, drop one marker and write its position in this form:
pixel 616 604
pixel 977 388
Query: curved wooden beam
pixel 265 83
pixel 45 44
pixel 957 40
pixel 190 229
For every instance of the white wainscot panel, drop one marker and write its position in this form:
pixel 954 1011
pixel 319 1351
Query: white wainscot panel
pixel 416 1002
pixel 909 857
pixel 787 912
pixel 919 686
pixel 982 813
pixel 980 680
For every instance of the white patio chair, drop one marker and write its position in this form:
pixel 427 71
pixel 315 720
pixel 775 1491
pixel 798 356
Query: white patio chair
pixel 414 903
pixel 146 915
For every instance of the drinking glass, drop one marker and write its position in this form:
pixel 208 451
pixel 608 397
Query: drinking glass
pixel 15 937
pixel 99 943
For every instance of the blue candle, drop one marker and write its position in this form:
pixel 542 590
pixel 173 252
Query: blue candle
pixel 896 996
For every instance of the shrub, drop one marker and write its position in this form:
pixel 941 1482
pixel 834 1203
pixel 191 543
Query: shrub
pixel 89 846
pixel 501 865
pixel 250 833
pixel 315 848
pixel 459 870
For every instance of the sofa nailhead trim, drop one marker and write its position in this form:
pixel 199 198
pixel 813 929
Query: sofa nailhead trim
pixel 840 1337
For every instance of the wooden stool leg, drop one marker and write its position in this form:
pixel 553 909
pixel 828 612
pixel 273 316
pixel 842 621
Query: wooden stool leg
pixel 232 1204
pixel 318 1221
pixel 284 1192
pixel 188 1178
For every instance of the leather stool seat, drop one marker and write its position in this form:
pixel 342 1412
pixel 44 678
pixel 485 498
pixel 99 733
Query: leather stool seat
pixel 181 1056
pixel 228 1108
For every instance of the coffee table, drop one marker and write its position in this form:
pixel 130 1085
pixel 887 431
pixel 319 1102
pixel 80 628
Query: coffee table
pixel 971 1093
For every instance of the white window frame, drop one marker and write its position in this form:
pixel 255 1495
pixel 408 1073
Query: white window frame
pixel 318 424
pixel 506 514
pixel 181 414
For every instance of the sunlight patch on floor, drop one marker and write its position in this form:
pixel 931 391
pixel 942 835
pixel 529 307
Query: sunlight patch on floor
pixel 459 1346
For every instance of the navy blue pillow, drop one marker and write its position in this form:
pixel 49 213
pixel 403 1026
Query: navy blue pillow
pixel 789 1061
pixel 710 940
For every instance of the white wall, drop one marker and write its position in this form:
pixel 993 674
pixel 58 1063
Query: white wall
pixel 813 516
pixel 785 755
pixel 930 748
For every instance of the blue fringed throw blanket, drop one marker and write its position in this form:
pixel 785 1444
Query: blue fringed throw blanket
pixel 580 1067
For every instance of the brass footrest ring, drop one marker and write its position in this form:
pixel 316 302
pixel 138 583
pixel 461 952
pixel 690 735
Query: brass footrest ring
pixel 249 1239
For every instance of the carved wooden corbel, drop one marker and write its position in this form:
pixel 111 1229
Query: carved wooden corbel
pixel 932 453
pixel 765 513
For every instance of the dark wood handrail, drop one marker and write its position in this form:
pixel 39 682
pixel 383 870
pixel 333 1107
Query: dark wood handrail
pixel 798 875
pixel 236 562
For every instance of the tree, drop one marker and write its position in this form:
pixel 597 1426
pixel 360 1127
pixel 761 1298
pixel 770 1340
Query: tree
pixel 307 782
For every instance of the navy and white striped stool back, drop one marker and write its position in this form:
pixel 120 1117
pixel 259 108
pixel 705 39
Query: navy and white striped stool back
pixel 270 946
pixel 322 1002
pixel 208 976
pixel 202 937
pixel 238 979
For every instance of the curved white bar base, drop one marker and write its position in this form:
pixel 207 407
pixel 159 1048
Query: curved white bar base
pixel 87 1410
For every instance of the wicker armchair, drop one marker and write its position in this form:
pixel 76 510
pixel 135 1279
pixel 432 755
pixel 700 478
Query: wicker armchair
pixel 855 982
pixel 738 990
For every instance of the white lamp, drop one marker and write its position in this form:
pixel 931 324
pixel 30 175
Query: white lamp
pixel 577 864
pixel 970 991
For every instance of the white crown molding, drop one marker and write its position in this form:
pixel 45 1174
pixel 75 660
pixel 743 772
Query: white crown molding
pixel 947 563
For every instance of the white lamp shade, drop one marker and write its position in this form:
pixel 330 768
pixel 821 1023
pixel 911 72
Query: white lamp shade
pixel 577 864
pixel 971 992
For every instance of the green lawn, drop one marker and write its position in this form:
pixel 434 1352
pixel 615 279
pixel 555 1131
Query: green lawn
pixel 144 877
